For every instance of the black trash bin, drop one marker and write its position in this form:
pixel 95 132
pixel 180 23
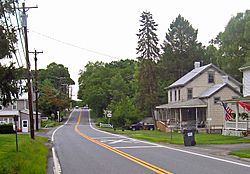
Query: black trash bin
pixel 189 137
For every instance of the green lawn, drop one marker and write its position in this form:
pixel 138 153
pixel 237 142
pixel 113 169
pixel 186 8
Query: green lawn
pixel 242 153
pixel 31 158
pixel 177 138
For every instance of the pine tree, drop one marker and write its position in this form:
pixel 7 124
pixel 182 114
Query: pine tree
pixel 148 55
pixel 181 48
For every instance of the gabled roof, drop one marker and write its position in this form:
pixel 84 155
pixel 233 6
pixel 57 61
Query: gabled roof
pixel 213 89
pixel 195 73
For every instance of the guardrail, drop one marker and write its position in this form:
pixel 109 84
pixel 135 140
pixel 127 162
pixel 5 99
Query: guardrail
pixel 106 125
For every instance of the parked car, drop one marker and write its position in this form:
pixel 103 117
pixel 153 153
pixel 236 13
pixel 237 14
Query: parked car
pixel 141 125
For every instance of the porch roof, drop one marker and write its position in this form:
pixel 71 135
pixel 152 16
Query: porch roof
pixel 193 103
pixel 8 113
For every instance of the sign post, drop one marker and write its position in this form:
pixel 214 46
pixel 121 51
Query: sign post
pixel 15 120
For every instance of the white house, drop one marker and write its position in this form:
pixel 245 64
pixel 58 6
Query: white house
pixel 19 108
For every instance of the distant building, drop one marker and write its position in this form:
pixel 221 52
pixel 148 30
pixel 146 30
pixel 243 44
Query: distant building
pixel 20 108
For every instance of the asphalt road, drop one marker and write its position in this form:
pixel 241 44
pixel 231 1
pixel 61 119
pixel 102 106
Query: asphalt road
pixel 81 148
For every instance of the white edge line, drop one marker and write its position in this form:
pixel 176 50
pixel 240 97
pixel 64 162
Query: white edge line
pixel 57 166
pixel 171 148
pixel 135 147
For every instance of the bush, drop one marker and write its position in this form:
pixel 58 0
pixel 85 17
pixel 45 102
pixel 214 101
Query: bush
pixel 6 129
pixel 101 120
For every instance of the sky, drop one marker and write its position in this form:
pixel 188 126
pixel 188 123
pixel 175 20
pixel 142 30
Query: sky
pixel 76 32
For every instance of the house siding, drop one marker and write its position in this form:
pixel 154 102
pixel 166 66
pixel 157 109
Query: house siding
pixel 246 82
pixel 216 111
pixel 200 84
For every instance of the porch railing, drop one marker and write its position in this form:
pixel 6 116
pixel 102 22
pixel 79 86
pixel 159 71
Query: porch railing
pixel 241 125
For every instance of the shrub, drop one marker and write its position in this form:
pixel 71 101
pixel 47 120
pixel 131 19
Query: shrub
pixel 6 129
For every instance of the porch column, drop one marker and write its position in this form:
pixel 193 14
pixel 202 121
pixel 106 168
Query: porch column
pixel 196 118
pixel 180 118
pixel 237 116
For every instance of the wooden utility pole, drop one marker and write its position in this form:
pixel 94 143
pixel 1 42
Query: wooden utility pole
pixel 36 86
pixel 24 25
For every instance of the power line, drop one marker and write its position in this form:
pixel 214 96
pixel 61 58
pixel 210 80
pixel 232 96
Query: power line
pixel 8 31
pixel 17 48
pixel 18 27
pixel 73 45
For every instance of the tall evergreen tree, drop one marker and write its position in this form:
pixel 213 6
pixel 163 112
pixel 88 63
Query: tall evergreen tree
pixel 181 48
pixel 148 52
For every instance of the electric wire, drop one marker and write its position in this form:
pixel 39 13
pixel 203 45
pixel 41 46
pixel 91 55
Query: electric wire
pixel 73 45
pixel 17 48
pixel 8 32
pixel 18 26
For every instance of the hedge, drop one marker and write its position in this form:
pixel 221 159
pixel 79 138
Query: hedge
pixel 6 129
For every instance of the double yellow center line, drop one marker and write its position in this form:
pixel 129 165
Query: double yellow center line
pixel 128 156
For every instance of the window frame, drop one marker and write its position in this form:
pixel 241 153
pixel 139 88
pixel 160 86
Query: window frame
pixel 216 100
pixel 170 95
pixel 189 97
pixel 211 77
pixel 179 94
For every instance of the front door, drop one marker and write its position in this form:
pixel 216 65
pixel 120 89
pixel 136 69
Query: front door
pixel 25 126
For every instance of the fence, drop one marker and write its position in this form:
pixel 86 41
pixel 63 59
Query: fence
pixel 242 125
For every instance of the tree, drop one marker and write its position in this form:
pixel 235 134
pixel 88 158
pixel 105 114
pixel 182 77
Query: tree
pixel 9 74
pixel 101 84
pixel 53 90
pixel 58 75
pixel 181 49
pixel 51 100
pixel 148 55
pixel 234 44
pixel 124 112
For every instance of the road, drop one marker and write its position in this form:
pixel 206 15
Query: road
pixel 81 148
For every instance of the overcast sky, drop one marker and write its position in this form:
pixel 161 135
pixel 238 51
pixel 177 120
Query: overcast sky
pixel 76 32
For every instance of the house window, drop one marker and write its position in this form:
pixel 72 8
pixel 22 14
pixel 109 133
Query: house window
pixel 210 77
pixel 14 106
pixel 216 100
pixel 189 93
pixel 179 94
pixel 170 95
pixel 175 95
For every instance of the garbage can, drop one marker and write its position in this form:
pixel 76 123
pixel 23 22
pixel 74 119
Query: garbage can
pixel 189 137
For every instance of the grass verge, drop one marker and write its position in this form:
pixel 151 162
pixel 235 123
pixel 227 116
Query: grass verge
pixel 177 138
pixel 242 153
pixel 31 158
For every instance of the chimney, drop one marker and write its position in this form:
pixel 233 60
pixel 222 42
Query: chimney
pixel 197 65
pixel 225 79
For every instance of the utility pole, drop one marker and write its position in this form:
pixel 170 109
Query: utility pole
pixel 36 86
pixel 24 25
